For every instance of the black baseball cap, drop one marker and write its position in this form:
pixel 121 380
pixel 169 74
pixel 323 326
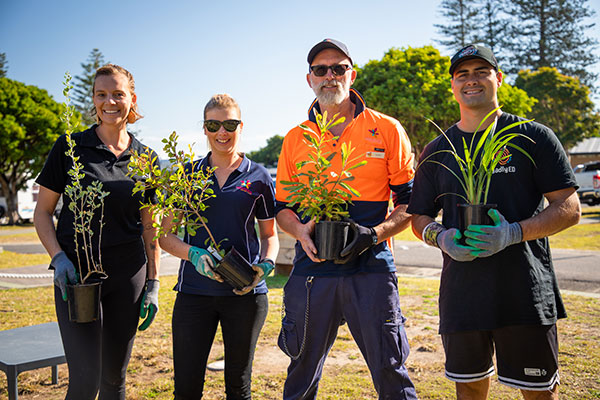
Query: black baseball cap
pixel 470 52
pixel 328 44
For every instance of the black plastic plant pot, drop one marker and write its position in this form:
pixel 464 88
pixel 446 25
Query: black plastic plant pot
pixel 84 302
pixel 330 238
pixel 473 214
pixel 235 270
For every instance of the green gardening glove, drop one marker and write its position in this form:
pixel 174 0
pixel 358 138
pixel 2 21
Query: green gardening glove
pixel 202 261
pixel 149 306
pixel 490 239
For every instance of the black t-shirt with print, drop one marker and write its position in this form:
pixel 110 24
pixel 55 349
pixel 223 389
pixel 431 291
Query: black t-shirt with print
pixel 516 286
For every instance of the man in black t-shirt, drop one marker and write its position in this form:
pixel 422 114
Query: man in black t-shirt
pixel 498 290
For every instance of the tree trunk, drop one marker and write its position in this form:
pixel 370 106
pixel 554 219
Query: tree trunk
pixel 9 191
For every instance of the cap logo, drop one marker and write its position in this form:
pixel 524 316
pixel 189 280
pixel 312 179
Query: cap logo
pixel 469 51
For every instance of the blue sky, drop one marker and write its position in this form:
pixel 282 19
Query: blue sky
pixel 184 52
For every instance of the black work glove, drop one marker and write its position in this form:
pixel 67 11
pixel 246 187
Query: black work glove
pixel 364 238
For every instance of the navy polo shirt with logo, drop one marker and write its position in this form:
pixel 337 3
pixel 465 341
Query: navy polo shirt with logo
pixel 122 221
pixel 247 195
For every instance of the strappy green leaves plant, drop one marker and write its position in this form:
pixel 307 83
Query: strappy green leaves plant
pixel 181 190
pixel 85 203
pixel 319 192
pixel 480 158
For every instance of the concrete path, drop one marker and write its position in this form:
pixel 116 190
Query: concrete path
pixel 576 270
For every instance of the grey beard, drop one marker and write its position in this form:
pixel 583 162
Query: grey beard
pixel 328 98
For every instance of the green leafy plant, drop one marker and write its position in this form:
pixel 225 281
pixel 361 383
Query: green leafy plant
pixel 181 190
pixel 319 192
pixel 480 158
pixel 85 203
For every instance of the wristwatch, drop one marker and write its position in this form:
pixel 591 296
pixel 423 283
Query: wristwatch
pixel 374 236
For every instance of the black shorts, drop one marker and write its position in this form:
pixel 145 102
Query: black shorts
pixel 527 356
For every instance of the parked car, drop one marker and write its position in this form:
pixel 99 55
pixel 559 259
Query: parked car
pixel 588 179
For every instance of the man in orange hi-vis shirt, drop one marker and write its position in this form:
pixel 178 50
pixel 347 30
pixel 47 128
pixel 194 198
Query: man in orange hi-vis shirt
pixel 361 287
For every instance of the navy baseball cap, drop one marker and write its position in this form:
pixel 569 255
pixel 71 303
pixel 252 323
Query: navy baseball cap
pixel 328 44
pixel 470 52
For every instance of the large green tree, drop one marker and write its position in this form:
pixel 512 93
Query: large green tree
pixel 29 125
pixel 413 84
pixel 461 27
pixel 552 33
pixel 563 104
pixel 410 85
pixel 269 154
pixel 83 86
pixel 3 65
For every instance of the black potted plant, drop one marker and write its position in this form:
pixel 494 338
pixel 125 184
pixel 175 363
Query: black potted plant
pixel 322 194
pixel 476 164
pixel 87 205
pixel 182 189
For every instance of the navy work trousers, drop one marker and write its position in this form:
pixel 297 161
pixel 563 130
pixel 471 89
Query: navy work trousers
pixel 370 304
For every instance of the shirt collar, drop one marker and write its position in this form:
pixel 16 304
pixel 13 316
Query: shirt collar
pixel 243 167
pixel 89 138
pixel 355 98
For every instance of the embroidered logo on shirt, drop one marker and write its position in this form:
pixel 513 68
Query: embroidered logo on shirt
pixel 374 136
pixel 244 186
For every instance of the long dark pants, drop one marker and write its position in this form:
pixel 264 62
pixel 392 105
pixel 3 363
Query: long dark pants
pixel 98 352
pixel 195 321
pixel 369 302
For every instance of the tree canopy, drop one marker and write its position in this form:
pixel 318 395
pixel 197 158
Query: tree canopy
pixel 269 154
pixel 525 34
pixel 410 85
pixel 3 65
pixel 29 125
pixel 563 104
pixel 84 84
pixel 413 84
pixel 552 33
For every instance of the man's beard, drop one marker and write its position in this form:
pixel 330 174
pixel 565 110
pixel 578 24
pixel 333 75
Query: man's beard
pixel 327 97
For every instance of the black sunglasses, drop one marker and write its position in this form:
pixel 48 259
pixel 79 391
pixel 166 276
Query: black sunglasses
pixel 230 125
pixel 337 69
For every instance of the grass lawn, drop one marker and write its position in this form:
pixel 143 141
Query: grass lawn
pixel 150 372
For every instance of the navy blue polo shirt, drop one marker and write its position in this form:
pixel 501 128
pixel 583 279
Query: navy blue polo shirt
pixel 122 221
pixel 247 195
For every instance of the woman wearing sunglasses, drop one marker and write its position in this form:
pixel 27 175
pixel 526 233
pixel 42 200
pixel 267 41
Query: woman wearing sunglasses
pixel 243 194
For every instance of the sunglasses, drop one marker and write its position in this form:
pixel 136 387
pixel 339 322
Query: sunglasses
pixel 230 125
pixel 337 69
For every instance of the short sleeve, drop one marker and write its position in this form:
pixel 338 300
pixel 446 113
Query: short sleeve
pixel 54 173
pixel 266 201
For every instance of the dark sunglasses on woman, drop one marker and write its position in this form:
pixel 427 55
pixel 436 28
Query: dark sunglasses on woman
pixel 337 69
pixel 230 125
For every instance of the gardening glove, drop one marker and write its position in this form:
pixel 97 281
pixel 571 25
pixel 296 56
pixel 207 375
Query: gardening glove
pixel 266 266
pixel 64 272
pixel 203 261
pixel 491 239
pixel 149 307
pixel 364 238
pixel 263 269
pixel 447 240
